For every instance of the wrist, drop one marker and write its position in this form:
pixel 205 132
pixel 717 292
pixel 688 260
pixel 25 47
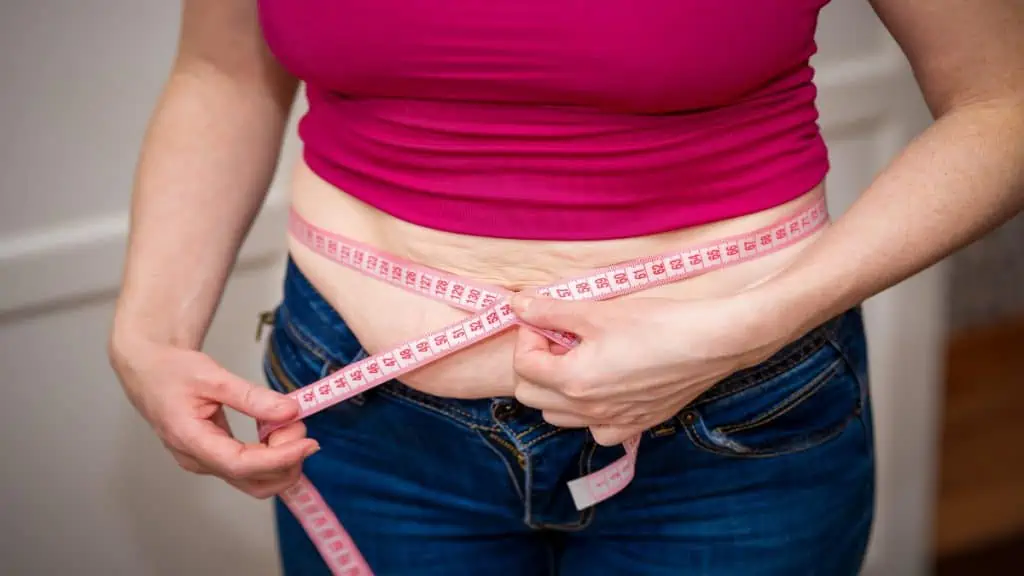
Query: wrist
pixel 743 326
pixel 126 345
pixel 788 308
pixel 138 322
pixel 132 339
pixel 765 320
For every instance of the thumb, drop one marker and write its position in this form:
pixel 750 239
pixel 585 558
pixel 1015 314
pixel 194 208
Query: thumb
pixel 609 435
pixel 255 401
pixel 551 314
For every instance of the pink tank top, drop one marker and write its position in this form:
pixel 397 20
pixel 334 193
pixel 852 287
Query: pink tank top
pixel 557 119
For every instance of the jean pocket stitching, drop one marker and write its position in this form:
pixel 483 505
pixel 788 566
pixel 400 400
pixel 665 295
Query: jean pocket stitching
pixel 789 403
pixel 544 436
pixel 522 434
pixel 772 369
pixel 819 438
pixel 331 366
pixel 840 346
pixel 330 363
pixel 302 339
pixel 814 442
pixel 662 430
pixel 307 341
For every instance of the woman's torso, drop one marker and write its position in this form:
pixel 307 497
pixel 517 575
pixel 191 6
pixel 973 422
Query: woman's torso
pixel 381 315
pixel 520 142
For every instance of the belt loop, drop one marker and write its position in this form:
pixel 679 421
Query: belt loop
pixel 265 319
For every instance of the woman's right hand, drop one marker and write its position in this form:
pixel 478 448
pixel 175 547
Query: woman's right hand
pixel 182 393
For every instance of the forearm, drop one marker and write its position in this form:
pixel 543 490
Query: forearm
pixel 205 167
pixel 960 179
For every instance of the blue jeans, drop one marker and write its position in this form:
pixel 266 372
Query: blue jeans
pixel 770 472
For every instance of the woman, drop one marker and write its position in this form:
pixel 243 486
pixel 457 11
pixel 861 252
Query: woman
pixel 514 145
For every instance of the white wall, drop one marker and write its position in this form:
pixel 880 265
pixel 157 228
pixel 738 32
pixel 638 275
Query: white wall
pixel 871 108
pixel 84 485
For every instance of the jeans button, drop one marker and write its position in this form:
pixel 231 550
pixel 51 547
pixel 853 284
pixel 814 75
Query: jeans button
pixel 505 411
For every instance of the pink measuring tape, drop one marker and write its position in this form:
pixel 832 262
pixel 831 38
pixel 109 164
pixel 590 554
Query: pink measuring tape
pixel 491 313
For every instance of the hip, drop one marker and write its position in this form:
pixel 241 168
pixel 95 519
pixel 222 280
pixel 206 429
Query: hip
pixel 785 446
pixel 821 376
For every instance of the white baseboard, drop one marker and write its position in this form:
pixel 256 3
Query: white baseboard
pixel 84 259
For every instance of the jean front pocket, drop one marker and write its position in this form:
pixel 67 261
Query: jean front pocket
pixel 294 358
pixel 780 411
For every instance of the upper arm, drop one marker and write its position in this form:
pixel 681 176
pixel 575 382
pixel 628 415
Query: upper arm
pixel 962 51
pixel 225 36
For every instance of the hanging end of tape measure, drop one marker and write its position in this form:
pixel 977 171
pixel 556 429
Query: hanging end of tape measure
pixel 582 496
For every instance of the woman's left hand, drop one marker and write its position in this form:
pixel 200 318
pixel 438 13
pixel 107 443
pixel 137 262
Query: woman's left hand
pixel 641 360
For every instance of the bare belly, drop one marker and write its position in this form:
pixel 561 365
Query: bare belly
pixel 381 315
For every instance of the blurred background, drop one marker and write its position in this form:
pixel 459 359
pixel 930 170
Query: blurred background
pixel 86 488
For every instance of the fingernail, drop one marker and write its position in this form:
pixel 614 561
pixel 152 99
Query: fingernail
pixel 312 450
pixel 521 303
